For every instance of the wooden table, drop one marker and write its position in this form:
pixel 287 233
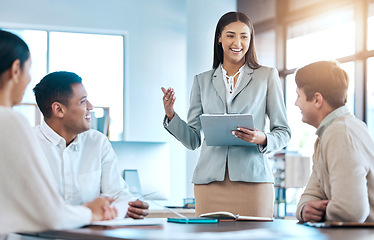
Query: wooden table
pixel 164 213
pixel 278 229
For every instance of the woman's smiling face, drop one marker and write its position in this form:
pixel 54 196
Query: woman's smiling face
pixel 235 39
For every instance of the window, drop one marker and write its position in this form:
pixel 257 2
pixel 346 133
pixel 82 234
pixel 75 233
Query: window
pixel 265 48
pixel 97 58
pixel 303 135
pixel 349 67
pixel 324 38
pixel 370 40
pixel 370 96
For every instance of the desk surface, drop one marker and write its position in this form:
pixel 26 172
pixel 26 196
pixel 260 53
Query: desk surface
pixel 279 229
pixel 165 213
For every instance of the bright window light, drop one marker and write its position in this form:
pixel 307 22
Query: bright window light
pixel 325 38
pixel 98 59
pixel 303 135
pixel 37 43
pixel 370 41
pixel 370 96
pixel 349 67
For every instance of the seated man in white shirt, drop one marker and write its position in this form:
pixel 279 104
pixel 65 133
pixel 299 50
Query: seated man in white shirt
pixel 81 160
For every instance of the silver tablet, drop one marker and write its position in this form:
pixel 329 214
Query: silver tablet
pixel 218 128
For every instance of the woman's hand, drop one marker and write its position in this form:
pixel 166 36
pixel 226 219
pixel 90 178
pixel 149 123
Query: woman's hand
pixel 101 209
pixel 252 136
pixel 168 100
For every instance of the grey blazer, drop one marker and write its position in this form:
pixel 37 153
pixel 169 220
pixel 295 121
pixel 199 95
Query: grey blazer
pixel 258 93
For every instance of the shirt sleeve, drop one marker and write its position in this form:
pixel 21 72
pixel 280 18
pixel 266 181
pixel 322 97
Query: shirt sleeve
pixel 112 183
pixel 188 134
pixel 347 174
pixel 29 199
pixel 312 192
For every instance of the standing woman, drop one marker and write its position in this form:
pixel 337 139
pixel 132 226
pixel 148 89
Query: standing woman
pixel 237 179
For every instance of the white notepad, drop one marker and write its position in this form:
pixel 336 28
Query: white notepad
pixel 218 128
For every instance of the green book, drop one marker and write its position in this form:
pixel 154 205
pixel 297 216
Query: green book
pixel 193 220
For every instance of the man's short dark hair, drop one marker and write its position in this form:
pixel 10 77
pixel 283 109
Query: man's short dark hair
pixel 55 87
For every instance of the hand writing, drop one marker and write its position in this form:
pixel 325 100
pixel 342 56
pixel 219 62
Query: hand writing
pixel 101 209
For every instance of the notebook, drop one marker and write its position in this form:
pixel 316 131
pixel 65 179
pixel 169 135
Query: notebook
pixel 218 128
pixel 230 216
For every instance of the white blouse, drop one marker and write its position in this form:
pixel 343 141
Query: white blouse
pixel 231 87
pixel 28 195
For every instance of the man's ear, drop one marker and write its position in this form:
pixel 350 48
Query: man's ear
pixel 58 109
pixel 318 100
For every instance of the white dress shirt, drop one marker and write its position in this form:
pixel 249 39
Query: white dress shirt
pixel 85 169
pixel 29 199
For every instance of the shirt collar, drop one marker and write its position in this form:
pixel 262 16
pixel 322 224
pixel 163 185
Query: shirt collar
pixel 54 138
pixel 240 69
pixel 330 118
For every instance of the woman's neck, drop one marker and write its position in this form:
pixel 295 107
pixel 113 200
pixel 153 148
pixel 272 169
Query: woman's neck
pixel 5 99
pixel 232 68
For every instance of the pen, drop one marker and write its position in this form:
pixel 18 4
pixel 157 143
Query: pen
pixel 147 194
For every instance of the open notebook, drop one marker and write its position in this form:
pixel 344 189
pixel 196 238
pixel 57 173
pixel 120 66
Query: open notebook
pixel 232 217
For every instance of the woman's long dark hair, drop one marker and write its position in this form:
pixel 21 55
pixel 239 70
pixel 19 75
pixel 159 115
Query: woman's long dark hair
pixel 230 17
pixel 11 48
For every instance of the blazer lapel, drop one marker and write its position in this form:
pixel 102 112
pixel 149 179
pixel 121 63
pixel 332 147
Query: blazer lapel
pixel 219 85
pixel 246 78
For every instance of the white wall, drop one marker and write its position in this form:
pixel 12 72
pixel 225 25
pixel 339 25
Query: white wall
pixel 168 42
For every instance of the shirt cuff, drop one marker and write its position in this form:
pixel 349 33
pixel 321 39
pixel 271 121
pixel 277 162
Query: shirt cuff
pixel 166 121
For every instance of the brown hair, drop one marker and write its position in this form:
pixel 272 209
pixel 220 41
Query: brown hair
pixel 325 77
pixel 226 19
